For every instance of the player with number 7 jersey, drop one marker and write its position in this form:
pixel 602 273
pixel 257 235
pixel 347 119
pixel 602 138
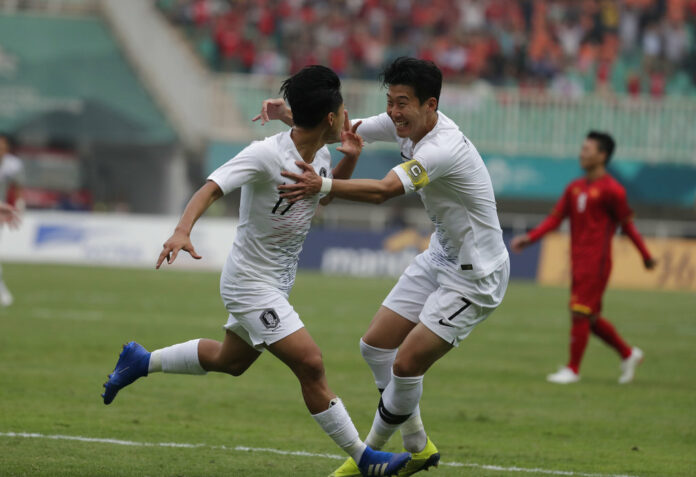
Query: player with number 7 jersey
pixel 451 287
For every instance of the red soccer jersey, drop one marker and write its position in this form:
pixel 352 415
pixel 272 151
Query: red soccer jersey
pixel 594 208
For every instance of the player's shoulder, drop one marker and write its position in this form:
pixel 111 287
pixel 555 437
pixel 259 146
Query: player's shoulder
pixel 610 183
pixel 576 184
pixel 267 149
pixel 443 140
pixel 446 128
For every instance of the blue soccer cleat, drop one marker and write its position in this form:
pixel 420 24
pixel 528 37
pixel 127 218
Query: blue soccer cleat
pixel 132 364
pixel 376 463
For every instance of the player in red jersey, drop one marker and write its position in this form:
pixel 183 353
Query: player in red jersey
pixel 595 205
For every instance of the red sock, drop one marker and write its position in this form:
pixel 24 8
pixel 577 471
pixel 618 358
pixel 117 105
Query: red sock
pixel 606 331
pixel 579 335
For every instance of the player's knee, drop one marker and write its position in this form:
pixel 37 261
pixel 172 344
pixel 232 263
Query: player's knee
pixel 311 367
pixel 237 369
pixel 234 367
pixel 407 366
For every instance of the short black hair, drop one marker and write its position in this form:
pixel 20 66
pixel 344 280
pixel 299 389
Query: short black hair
pixel 422 75
pixel 605 143
pixel 313 92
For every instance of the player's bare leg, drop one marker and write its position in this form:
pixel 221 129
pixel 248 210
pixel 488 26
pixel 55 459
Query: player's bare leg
pixel 232 356
pixel 302 355
pixel 388 329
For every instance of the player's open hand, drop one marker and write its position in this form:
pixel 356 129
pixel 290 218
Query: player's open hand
pixel 307 184
pixel 517 244
pixel 274 108
pixel 178 241
pixel 9 215
pixel 351 142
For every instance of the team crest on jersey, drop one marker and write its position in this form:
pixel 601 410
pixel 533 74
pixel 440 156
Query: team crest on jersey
pixel 594 193
pixel 322 172
pixel 270 319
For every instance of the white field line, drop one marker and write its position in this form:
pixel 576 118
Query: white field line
pixel 120 442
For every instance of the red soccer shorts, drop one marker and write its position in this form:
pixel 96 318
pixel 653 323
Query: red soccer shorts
pixel 586 292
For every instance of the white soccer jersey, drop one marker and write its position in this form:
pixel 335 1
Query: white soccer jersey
pixel 449 175
pixel 11 172
pixel 271 231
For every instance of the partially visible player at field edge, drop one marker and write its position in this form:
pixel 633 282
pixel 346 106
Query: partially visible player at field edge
pixel 447 290
pixel 595 205
pixel 11 192
pixel 260 269
pixel 9 215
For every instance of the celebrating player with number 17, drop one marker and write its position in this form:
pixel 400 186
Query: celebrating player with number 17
pixel 260 269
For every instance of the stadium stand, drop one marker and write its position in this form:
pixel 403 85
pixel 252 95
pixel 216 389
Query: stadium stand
pixel 571 47
pixel 90 133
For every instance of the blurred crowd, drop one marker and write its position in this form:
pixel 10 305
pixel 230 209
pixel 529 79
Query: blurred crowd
pixel 570 46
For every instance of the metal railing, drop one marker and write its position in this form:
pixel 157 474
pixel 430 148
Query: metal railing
pixel 511 121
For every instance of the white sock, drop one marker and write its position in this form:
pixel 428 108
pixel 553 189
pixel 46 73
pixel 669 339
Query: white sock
pixel 413 432
pixel 336 422
pixel 380 361
pixel 399 401
pixel 180 358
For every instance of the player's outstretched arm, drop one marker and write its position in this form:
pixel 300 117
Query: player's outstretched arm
pixel 519 243
pixel 551 222
pixel 9 215
pixel 181 238
pixel 274 108
pixel 360 190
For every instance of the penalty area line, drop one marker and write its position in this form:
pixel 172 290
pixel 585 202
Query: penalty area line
pixel 268 450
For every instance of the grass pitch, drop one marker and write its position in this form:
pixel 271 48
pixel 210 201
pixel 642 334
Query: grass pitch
pixel 485 403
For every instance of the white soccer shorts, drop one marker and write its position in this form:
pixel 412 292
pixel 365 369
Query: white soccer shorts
pixel 445 301
pixel 259 317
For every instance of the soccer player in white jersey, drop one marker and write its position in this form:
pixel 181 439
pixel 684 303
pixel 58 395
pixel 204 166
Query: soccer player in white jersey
pixel 11 181
pixel 9 215
pixel 261 266
pixel 448 289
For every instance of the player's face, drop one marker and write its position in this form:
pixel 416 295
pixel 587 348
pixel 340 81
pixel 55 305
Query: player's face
pixel 4 149
pixel 590 155
pixel 406 111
